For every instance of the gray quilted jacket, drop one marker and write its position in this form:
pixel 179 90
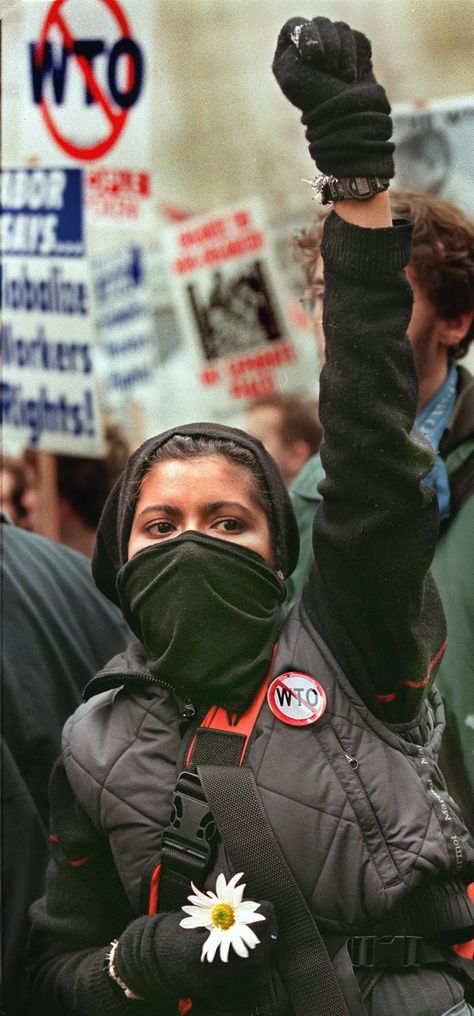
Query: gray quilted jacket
pixel 366 798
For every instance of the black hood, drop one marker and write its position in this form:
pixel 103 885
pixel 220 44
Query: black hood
pixel 113 532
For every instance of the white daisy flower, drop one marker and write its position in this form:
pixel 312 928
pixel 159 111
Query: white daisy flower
pixel 226 916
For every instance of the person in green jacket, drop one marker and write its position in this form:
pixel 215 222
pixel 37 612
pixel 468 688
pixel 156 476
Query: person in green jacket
pixel 441 272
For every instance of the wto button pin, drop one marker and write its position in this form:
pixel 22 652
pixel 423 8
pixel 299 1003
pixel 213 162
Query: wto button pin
pixel 297 699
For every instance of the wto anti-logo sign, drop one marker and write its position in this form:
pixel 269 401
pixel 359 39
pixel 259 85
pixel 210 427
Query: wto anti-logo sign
pixel 86 74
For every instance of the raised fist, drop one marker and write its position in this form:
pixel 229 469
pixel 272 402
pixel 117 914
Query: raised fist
pixel 319 59
pixel 325 69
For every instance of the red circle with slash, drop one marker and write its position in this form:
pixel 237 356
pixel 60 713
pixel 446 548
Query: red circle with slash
pixel 297 699
pixel 116 118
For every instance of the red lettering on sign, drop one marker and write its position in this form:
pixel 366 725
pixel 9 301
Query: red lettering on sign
pixel 263 385
pixel 187 264
pixel 200 234
pixel 118 182
pixel 234 248
pixel 210 376
pixel 242 220
pixel 277 357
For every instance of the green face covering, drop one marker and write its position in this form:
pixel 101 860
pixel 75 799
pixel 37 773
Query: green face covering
pixel 208 613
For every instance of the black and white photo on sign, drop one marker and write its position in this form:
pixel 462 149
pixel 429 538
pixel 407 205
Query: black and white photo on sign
pixel 233 310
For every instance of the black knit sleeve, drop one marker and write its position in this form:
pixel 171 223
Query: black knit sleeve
pixel 83 910
pixel 370 593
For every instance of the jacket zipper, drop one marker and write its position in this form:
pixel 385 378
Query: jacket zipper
pixel 188 710
pixel 354 765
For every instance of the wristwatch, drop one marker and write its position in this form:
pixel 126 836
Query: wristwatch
pixel 330 188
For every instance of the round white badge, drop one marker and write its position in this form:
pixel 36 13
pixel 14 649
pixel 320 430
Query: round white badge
pixel 297 699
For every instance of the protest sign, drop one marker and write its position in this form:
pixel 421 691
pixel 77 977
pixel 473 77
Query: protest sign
pixel 48 397
pixel 118 197
pixel 85 101
pixel 434 149
pixel 231 303
pixel 125 325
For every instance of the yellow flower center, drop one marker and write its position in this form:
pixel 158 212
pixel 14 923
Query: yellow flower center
pixel 222 915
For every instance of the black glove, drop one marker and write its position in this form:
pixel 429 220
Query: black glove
pixel 325 69
pixel 159 960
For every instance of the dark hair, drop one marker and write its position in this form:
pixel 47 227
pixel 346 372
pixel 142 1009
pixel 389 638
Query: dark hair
pixel 186 446
pixel 442 253
pixel 86 482
pixel 299 417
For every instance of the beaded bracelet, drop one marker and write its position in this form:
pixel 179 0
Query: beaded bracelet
pixel 114 975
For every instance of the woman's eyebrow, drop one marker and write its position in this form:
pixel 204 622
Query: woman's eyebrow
pixel 207 508
pixel 217 505
pixel 167 509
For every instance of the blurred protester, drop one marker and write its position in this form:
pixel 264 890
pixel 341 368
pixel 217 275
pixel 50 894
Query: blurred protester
pixel 82 487
pixel 289 428
pixel 56 630
pixel 441 274
pixel 13 487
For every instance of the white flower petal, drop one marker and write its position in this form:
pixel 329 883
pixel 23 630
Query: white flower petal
pixel 247 907
pixel 236 891
pixel 250 919
pixel 198 892
pixel 237 895
pixel 239 947
pixel 200 903
pixel 221 889
pixel 202 900
pixel 211 945
pixel 225 945
pixel 248 936
pixel 202 912
pixel 195 922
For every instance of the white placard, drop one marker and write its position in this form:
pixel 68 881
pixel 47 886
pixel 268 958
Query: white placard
pixel 85 98
pixel 125 324
pixel 48 398
pixel 434 150
pixel 231 303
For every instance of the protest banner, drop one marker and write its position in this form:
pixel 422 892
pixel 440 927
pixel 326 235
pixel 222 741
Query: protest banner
pixel 48 398
pixel 231 304
pixel 126 344
pixel 85 102
pixel 434 150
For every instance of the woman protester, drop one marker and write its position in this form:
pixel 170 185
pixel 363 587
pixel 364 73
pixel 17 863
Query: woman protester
pixel 337 723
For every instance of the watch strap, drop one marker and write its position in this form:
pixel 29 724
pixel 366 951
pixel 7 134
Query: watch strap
pixel 359 188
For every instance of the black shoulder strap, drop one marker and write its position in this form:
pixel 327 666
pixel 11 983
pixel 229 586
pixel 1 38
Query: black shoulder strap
pixel 189 842
pixel 247 835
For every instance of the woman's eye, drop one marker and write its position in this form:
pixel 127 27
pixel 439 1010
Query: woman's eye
pixel 230 525
pixel 160 528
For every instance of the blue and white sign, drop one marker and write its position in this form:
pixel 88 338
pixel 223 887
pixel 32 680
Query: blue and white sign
pixel 48 398
pixel 125 324
pixel 42 212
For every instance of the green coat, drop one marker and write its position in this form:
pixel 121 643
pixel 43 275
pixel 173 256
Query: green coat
pixel 453 568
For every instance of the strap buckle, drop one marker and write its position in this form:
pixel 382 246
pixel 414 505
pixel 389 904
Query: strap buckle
pixel 398 951
pixel 192 827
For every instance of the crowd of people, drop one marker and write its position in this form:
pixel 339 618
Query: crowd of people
pixel 254 683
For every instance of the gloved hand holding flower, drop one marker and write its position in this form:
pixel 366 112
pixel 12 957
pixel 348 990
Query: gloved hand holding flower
pixel 226 917
pixel 211 955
